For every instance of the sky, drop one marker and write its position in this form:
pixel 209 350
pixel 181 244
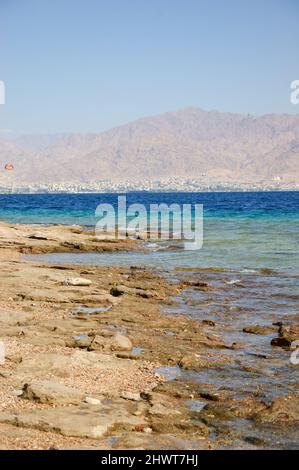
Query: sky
pixel 89 65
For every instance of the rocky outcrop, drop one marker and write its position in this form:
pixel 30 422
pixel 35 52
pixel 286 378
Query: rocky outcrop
pixel 79 421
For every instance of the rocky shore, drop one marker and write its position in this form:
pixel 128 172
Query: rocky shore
pixel 85 349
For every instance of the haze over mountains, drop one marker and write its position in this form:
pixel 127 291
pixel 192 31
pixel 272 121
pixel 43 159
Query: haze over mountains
pixel 189 142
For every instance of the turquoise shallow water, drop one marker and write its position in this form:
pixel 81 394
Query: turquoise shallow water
pixel 241 230
pixel 231 243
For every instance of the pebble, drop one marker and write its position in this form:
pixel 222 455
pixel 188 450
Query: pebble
pixel 92 401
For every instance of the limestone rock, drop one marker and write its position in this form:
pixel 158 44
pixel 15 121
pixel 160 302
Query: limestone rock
pixel 92 401
pixel 50 392
pixel 15 318
pixel 115 342
pixel 77 281
pixel 77 421
pixel 131 396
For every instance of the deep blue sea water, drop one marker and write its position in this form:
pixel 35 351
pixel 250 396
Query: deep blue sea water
pixel 241 230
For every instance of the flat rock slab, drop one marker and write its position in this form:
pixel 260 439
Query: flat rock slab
pixel 39 365
pixel 14 318
pixel 115 342
pixel 77 421
pixel 50 392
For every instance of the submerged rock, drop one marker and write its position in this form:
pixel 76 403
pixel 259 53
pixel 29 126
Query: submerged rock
pixel 287 334
pixel 260 329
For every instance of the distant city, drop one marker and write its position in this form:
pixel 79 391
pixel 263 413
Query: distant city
pixel 171 184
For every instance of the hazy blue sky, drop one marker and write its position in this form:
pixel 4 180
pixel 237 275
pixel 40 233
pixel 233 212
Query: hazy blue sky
pixel 87 65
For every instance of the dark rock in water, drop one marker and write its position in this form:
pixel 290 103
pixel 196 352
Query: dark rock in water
pixel 281 342
pixel 198 285
pixel 254 440
pixel 287 334
pixel 208 322
pixel 213 396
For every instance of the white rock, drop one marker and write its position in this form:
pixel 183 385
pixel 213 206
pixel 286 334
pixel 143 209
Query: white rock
pixel 77 281
pixel 38 236
pixel 92 401
pixel 131 396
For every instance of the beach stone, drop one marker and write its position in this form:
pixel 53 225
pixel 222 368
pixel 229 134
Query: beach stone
pixel 92 401
pixel 121 290
pixel 115 342
pixel 16 393
pixel 13 318
pixel 98 360
pixel 163 405
pixel 121 343
pixel 196 362
pixel 131 396
pixel 282 410
pixel 50 392
pixel 76 421
pixel 41 364
pixel 77 281
pixel 82 342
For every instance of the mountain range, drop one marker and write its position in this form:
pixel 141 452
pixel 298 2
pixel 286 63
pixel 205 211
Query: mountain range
pixel 190 142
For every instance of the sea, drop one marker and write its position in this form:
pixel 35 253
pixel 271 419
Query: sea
pixel 250 255
pixel 241 230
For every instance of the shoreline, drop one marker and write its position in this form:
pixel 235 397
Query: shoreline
pixel 286 189
pixel 101 363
